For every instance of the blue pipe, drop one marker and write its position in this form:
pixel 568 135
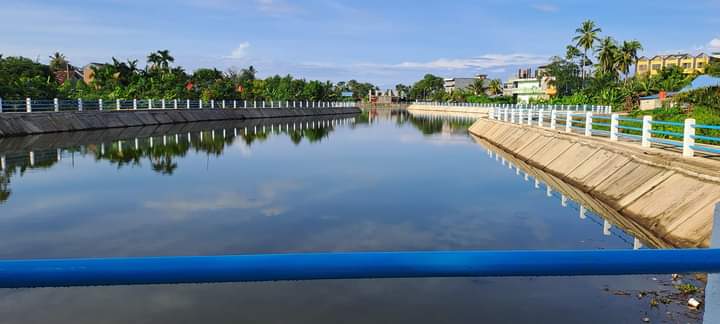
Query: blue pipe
pixel 309 266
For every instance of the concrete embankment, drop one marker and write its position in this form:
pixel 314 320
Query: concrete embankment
pixel 670 196
pixel 16 124
pixel 449 109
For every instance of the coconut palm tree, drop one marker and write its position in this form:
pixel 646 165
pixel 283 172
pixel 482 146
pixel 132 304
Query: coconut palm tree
pixel 608 55
pixel 586 37
pixel 165 59
pixel 154 60
pixel 58 62
pixel 628 54
pixel 477 87
pixel 495 86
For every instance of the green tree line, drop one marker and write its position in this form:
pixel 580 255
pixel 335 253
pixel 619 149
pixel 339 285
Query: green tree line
pixel 22 78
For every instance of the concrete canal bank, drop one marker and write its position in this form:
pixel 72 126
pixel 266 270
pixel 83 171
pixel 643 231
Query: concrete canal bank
pixel 17 124
pixel 671 197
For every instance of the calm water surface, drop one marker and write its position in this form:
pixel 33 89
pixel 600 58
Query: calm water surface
pixel 372 182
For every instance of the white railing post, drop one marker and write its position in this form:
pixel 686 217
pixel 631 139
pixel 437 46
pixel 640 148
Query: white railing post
pixel 235 106
pixel 135 104
pixel 529 117
pixel 540 117
pixel 162 103
pixel 614 126
pixel 80 104
pixel 56 104
pixel 117 104
pixel 223 104
pixel 1 105
pixel 588 123
pixel 187 103
pixel 688 138
pixel 568 121
pixel 212 103
pixel 512 116
pixel 175 104
pixel 100 104
pixel 28 105
pixel 150 104
pixel 646 134
pixel 200 104
pixel 553 119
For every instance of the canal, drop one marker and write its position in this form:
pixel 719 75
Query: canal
pixel 383 180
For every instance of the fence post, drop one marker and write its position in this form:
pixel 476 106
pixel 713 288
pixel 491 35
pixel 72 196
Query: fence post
pixel 529 117
pixel 80 104
pixel 150 102
pixel 117 104
pixel 568 121
pixel 28 105
pixel 688 138
pixel 235 106
pixel 588 123
pixel 134 104
pixel 223 104
pixel 614 126
pixel 200 104
pixel 1 107
pixel 56 104
pixel 553 119
pixel 187 103
pixel 175 104
pixel 646 127
pixel 512 116
pixel 540 117
pixel 212 103
pixel 100 104
pixel 162 103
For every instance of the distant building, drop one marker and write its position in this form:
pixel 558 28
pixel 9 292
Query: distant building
pixel 690 64
pixel 383 97
pixel 452 84
pixel 656 101
pixel 88 73
pixel 526 86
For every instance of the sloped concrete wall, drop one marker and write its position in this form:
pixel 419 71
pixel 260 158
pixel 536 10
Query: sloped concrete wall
pixel 16 124
pixel 671 196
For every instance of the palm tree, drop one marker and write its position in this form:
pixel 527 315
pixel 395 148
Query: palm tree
pixel 628 55
pixel 477 87
pixel 586 37
pixel 495 86
pixel 608 56
pixel 165 59
pixel 58 62
pixel 154 60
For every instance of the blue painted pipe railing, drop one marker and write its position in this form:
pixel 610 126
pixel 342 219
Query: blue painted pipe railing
pixel 309 266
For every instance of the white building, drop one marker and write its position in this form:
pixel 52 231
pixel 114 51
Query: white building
pixel 525 86
pixel 452 84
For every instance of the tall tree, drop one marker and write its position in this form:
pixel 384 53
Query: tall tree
pixel 58 62
pixel 608 56
pixel 495 87
pixel 628 54
pixel 477 87
pixel 586 36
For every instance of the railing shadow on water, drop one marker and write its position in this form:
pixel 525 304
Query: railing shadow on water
pixel 160 145
pixel 612 222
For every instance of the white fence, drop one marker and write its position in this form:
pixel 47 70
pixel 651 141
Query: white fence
pixel 57 105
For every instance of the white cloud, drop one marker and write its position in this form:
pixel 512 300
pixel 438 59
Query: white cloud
pixel 275 7
pixel 488 61
pixel 239 52
pixel 545 7
pixel 714 44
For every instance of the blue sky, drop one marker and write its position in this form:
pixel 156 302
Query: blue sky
pixel 384 42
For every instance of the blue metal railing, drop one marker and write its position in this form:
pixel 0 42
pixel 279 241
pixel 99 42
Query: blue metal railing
pixel 359 265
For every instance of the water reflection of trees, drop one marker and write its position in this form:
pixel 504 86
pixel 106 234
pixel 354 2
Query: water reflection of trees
pixel 160 152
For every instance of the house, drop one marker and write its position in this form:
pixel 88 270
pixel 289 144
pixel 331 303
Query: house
pixel 526 86
pixel 690 64
pixel 656 101
pixel 88 72
pixel 383 97
pixel 452 84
